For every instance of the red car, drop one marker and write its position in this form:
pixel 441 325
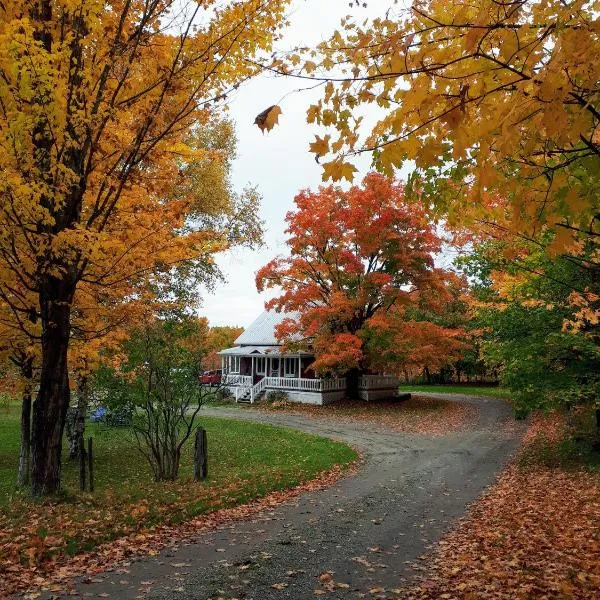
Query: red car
pixel 211 377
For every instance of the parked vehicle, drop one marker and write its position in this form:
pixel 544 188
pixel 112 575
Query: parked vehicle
pixel 121 416
pixel 211 377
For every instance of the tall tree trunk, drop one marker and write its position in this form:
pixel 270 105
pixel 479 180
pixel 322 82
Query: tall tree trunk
pixel 52 402
pixel 428 375
pixel 352 377
pixel 24 455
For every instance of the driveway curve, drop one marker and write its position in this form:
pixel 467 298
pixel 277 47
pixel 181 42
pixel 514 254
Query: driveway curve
pixel 361 537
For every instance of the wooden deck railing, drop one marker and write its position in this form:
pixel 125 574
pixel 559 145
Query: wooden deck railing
pixel 378 382
pixel 304 384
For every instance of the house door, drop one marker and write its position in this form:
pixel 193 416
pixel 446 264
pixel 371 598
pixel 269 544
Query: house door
pixel 274 367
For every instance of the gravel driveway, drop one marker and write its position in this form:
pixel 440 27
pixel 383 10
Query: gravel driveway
pixel 366 530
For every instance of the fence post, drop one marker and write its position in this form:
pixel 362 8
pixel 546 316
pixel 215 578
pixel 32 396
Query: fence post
pixel 82 457
pixel 200 455
pixel 91 464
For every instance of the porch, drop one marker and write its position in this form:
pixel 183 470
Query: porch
pixel 251 371
pixel 299 389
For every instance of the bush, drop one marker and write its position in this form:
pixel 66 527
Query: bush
pixel 223 394
pixel 4 402
pixel 277 399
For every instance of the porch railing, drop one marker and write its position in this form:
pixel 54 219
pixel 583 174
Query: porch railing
pixel 375 382
pixel 257 389
pixel 304 384
pixel 235 379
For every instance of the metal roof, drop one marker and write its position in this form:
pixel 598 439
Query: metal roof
pixel 246 350
pixel 261 332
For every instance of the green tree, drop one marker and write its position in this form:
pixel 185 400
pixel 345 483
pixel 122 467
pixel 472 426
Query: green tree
pixel 160 381
pixel 546 355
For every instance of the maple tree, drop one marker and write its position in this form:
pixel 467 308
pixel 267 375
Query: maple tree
pixel 496 105
pixel 219 338
pixel 360 260
pixel 98 106
pixel 493 97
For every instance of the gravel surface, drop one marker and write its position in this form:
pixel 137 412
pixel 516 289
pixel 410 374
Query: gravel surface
pixel 367 531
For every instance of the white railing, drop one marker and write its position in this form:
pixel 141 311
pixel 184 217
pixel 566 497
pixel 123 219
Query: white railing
pixel 333 385
pixel 257 389
pixel 305 385
pixel 235 379
pixel 377 382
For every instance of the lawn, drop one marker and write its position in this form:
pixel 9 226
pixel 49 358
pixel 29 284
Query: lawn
pixel 419 414
pixel 471 390
pixel 246 461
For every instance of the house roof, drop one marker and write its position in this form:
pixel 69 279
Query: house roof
pixel 261 332
pixel 247 350
pixel 259 350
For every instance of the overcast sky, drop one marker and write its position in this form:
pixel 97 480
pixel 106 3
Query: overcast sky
pixel 278 162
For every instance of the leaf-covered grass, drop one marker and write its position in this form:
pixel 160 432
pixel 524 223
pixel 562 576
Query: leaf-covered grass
pixel 534 534
pixel 430 416
pixel 246 461
pixel 470 390
pixel 565 442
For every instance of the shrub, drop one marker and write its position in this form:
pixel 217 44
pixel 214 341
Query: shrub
pixel 4 402
pixel 277 399
pixel 223 394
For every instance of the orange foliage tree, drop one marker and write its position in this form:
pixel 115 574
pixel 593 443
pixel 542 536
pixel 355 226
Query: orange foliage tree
pixel 99 103
pixel 361 268
pixel 495 105
pixel 219 338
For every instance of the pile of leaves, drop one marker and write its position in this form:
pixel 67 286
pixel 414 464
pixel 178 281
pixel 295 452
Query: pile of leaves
pixel 49 566
pixel 533 534
pixel 421 415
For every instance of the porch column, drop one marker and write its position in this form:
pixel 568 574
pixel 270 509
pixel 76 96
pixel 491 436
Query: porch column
pixel 252 369
pixel 299 367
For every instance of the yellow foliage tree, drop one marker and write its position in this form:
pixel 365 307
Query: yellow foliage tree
pixel 497 104
pixel 98 104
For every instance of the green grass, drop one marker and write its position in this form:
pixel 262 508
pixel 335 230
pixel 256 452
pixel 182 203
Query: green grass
pixel 496 392
pixel 246 461
pixel 571 453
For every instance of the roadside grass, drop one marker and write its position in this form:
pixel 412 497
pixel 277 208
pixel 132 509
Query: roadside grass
pixel 471 390
pixel 246 461
pixel 562 442
pixel 534 533
pixel 423 415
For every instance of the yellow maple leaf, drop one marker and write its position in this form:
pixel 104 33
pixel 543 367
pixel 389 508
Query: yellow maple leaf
pixel 268 118
pixel 320 146
pixel 337 170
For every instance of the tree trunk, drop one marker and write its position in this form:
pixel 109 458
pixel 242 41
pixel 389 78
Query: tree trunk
pixel 24 455
pixel 428 375
pixel 52 402
pixel 352 377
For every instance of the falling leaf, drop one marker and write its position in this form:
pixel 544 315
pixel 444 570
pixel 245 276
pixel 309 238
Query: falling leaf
pixel 268 118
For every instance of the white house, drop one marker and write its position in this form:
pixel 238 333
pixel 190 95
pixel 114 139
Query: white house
pixel 257 364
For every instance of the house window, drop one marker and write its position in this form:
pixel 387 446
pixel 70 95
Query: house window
pixel 260 365
pixel 290 367
pixel 234 364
